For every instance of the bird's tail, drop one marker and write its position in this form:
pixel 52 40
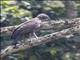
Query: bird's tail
pixel 14 34
pixel 13 38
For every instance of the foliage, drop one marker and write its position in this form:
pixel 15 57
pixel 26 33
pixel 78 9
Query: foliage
pixel 14 12
pixel 12 8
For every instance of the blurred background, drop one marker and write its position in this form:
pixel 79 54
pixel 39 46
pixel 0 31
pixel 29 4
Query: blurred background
pixel 15 12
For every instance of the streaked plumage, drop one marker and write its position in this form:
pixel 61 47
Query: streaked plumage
pixel 28 27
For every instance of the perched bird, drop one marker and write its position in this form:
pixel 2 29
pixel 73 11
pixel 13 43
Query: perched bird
pixel 27 28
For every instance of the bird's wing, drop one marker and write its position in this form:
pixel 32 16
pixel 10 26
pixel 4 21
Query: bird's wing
pixel 17 30
pixel 24 28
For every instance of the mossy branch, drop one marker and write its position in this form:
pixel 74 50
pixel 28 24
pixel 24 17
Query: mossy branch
pixel 66 33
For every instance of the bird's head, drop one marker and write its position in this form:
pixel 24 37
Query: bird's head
pixel 43 17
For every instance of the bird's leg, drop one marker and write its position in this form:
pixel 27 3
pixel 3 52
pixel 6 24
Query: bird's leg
pixel 30 36
pixel 35 35
pixel 29 41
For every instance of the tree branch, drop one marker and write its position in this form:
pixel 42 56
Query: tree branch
pixel 66 33
pixel 48 25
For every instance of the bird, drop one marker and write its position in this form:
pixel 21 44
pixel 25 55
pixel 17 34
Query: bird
pixel 24 30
